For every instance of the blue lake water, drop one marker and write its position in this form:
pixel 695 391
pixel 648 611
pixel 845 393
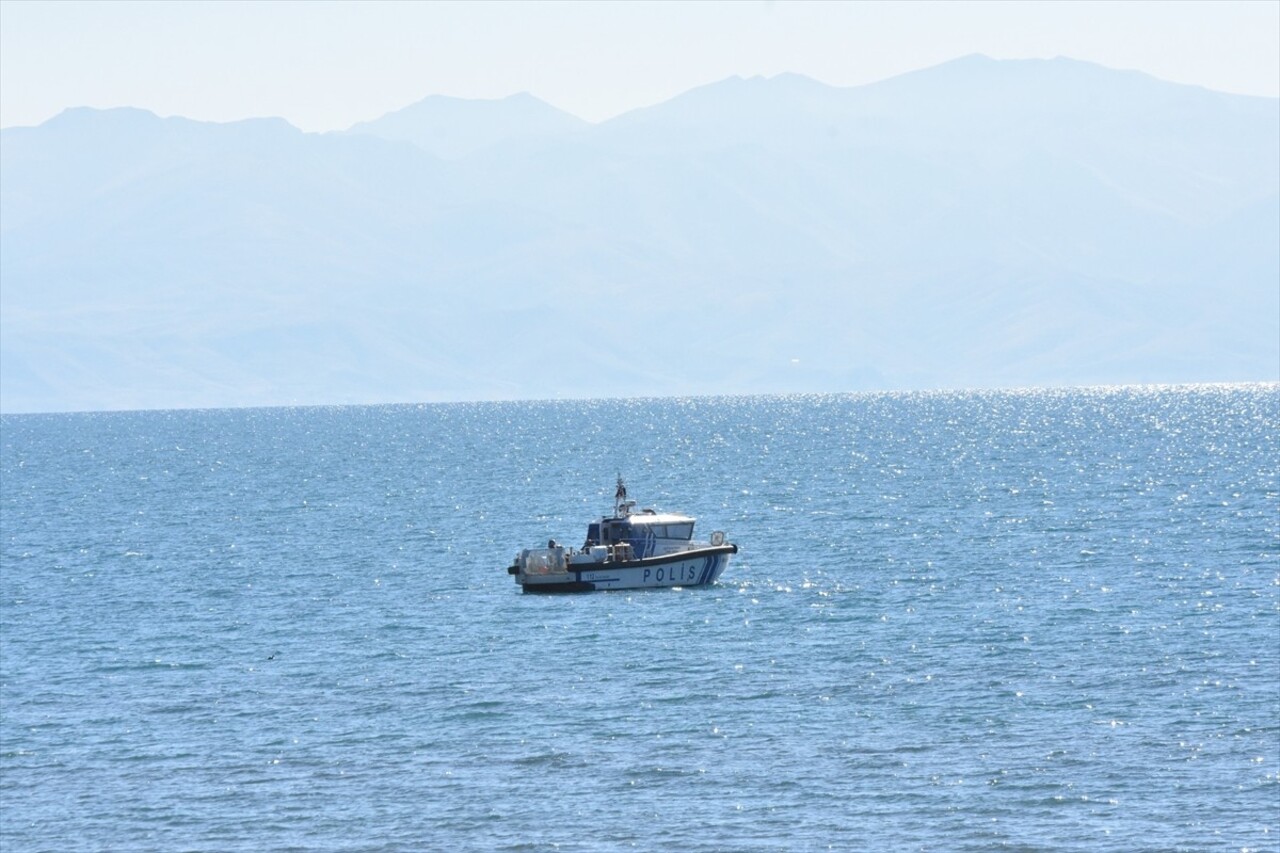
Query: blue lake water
pixel 1031 621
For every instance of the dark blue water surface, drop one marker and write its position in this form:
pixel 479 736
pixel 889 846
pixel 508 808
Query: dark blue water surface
pixel 1032 621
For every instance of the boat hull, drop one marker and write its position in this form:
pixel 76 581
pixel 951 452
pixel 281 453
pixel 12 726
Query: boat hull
pixel 699 567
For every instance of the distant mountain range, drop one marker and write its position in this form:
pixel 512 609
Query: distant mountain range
pixel 977 224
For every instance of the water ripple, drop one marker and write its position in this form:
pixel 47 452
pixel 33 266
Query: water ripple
pixel 1040 620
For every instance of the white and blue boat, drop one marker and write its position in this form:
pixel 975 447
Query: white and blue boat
pixel 631 549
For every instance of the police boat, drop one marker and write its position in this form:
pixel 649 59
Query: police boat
pixel 631 549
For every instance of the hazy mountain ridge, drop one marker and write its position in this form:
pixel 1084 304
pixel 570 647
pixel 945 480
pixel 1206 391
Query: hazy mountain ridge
pixel 450 128
pixel 981 223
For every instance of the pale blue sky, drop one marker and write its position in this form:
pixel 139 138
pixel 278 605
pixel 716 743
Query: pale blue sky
pixel 326 65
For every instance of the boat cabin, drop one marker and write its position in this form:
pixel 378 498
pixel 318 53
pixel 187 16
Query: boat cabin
pixel 649 533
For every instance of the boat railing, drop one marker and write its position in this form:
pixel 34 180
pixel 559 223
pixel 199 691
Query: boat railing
pixel 717 539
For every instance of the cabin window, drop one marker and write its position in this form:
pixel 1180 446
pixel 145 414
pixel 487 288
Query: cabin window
pixel 680 531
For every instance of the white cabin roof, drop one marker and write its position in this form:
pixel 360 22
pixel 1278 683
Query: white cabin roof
pixel 643 518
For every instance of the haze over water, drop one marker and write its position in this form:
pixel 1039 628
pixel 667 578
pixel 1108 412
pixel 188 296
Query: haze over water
pixel 959 621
